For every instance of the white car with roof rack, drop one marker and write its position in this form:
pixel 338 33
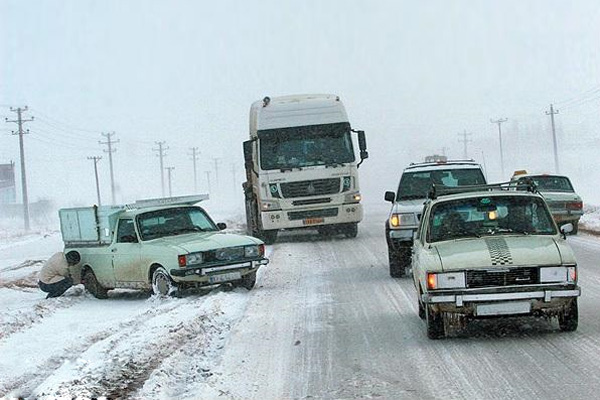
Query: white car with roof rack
pixel 491 251
pixel 565 205
pixel 407 202
pixel 164 245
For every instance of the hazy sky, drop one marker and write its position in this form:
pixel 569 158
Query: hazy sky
pixel 413 75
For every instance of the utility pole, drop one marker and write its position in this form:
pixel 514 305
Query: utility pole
pixel 96 159
pixel 208 180
pixel 216 160
pixel 551 113
pixel 465 141
pixel 161 154
pixel 110 150
pixel 20 121
pixel 195 154
pixel 499 122
pixel 169 169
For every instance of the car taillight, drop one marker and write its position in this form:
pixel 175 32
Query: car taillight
pixel 574 205
pixel 182 261
pixel 431 280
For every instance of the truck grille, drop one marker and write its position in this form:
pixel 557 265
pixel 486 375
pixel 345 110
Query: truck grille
pixel 502 277
pixel 328 212
pixel 317 187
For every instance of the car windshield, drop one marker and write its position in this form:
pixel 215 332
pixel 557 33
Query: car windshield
pixel 489 215
pixel 416 185
pixel 552 183
pixel 174 221
pixel 305 146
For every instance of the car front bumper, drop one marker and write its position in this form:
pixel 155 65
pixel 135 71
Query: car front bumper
pixel 207 273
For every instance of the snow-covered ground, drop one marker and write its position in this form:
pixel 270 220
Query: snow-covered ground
pixel 134 345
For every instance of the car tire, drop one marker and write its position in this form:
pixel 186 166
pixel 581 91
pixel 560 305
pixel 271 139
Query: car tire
pixel 420 306
pixel 269 237
pixel 399 261
pixel 248 281
pixel 162 284
pixel 91 285
pixel 435 323
pixel 568 320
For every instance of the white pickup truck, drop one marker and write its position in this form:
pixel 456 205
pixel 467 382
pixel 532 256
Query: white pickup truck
pixel 163 245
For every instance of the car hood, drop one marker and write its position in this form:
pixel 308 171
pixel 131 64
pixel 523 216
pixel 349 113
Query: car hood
pixel 502 251
pixel 408 206
pixel 193 242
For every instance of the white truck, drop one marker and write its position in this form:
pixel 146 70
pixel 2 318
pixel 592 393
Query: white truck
pixel 163 245
pixel 302 167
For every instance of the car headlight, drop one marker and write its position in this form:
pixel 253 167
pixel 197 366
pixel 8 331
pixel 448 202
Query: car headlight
pixel 446 280
pixel 352 198
pixel 190 259
pixel 346 183
pixel 270 205
pixel 251 251
pixel 397 220
pixel 558 274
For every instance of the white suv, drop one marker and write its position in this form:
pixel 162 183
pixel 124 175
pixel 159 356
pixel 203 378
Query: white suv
pixel 407 203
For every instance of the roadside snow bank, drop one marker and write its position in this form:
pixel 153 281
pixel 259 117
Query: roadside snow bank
pixel 591 218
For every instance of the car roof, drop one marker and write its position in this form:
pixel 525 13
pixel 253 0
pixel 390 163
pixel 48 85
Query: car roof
pixel 138 211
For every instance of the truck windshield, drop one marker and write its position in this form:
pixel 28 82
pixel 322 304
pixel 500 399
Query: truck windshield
pixel 174 221
pixel 305 146
pixel 489 215
pixel 416 185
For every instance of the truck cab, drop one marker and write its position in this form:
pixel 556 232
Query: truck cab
pixel 302 167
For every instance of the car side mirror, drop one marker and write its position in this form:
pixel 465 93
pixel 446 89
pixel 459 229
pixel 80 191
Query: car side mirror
pixel 566 228
pixel 222 225
pixel 390 196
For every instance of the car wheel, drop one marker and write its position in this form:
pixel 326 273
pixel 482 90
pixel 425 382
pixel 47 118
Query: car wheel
pixel 399 261
pixel 91 285
pixel 421 307
pixel 268 237
pixel 568 320
pixel 435 323
pixel 162 284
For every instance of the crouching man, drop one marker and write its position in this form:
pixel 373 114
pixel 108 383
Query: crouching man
pixel 55 276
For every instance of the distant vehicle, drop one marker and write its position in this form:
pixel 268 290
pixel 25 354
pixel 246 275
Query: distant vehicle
pixel 491 252
pixel 301 167
pixel 565 205
pixel 163 245
pixel 407 203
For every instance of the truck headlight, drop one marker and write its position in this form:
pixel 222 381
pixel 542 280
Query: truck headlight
pixel 397 220
pixel 274 190
pixel 270 205
pixel 352 198
pixel 446 280
pixel 190 259
pixel 346 183
pixel 558 274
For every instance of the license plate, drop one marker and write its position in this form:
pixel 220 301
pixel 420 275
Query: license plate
pixel 230 276
pixel 507 308
pixel 313 221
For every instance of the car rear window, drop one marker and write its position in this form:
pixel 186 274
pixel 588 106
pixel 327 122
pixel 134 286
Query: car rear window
pixel 416 185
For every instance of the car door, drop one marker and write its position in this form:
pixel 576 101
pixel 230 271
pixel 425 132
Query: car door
pixel 126 255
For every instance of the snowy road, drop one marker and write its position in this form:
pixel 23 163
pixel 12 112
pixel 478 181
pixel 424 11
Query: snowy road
pixel 325 321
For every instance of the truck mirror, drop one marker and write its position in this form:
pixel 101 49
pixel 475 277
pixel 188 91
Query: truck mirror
pixel 248 151
pixel 362 143
pixel 390 196
pixel 364 154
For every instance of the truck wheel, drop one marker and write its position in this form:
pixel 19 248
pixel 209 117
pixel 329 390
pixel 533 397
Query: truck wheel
pixel 91 285
pixel 435 323
pixel 351 230
pixel 569 319
pixel 268 237
pixel 162 284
